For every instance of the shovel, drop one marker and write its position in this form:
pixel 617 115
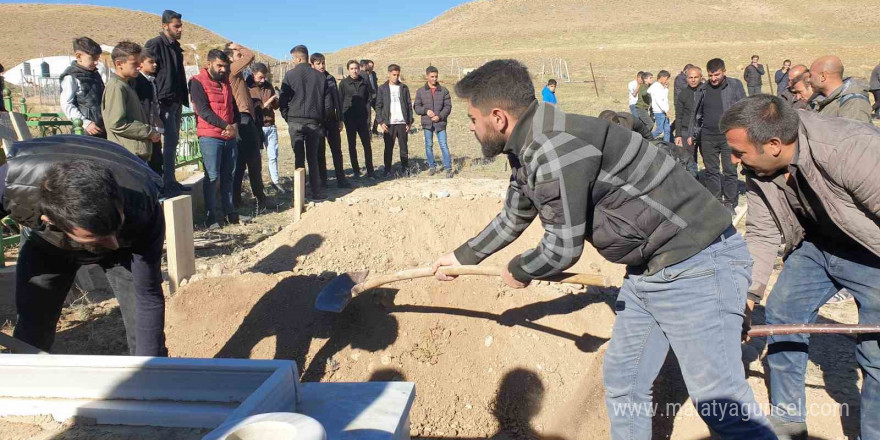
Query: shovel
pixel 336 295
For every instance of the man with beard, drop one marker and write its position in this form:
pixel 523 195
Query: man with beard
pixel 839 97
pixel 217 120
pixel 799 87
pixel 82 200
pixel 712 100
pixel 171 88
pixel 812 185
pixel 687 267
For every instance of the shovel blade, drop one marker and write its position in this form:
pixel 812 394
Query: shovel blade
pixel 336 295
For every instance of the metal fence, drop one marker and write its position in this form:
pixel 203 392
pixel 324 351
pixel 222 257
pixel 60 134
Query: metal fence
pixel 50 124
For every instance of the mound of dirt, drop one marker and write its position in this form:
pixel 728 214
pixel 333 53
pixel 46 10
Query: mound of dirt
pixel 485 359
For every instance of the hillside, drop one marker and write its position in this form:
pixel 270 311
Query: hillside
pixel 30 30
pixel 620 37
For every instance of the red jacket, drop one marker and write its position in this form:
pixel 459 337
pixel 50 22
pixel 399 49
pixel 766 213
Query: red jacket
pixel 222 103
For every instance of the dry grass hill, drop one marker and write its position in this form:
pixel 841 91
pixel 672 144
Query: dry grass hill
pixel 620 37
pixel 29 30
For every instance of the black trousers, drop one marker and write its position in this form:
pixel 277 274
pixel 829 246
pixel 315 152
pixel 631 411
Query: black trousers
pixel 248 157
pixel 354 128
pixel 396 132
pixel 306 137
pixel 156 158
pixel 44 275
pixel 754 90
pixel 876 106
pixel 334 138
pixel 723 185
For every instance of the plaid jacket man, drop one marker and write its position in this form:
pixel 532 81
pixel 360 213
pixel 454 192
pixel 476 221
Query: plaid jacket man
pixel 588 180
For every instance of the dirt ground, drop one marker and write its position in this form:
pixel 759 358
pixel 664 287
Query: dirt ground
pixel 487 361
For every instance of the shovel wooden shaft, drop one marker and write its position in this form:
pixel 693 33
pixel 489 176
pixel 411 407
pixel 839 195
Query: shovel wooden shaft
pixel 791 329
pixel 425 272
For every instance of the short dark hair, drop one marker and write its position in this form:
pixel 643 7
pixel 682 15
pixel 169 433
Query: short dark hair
pixel 715 64
pixel 125 50
pixel 317 56
pixel 148 54
pixel 87 45
pixel 755 56
pixel 394 68
pixel 764 117
pixel 364 62
pixel 640 73
pixel 688 66
pixel 431 69
pixel 82 194
pixel 505 84
pixel 217 54
pixel 786 61
pixel 260 67
pixel 300 50
pixel 350 62
pixel 168 15
pixel 608 116
pixel 1 68
pixel 663 74
pixel 552 82
pixel 645 75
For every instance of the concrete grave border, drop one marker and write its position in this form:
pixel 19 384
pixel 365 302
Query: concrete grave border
pixel 131 390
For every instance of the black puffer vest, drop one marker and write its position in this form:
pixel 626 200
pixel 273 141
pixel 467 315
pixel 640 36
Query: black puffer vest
pixel 89 93
pixel 30 160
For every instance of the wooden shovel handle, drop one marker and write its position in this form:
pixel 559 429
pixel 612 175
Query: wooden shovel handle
pixel 425 272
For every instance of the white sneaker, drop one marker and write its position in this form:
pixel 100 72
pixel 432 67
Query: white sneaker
pixel 214 226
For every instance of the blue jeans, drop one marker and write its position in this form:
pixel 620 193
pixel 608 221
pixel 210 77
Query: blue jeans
pixel 696 307
pixel 662 127
pixel 444 149
pixel 270 141
pixel 810 277
pixel 170 116
pixel 218 157
pixel 632 109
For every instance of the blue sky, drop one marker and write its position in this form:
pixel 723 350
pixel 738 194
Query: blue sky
pixel 273 27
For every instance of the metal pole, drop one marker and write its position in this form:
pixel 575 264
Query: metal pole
pixel 595 86
pixel 790 329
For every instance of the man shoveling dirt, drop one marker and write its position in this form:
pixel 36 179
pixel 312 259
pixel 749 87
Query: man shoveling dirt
pixel 687 268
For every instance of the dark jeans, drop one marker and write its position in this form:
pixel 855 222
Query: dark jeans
pixel 170 114
pixel 334 138
pixel 305 137
pixel 876 106
pixel 248 157
pixel 810 277
pixel 696 308
pixel 723 185
pixel 354 128
pixel 156 158
pixel 754 90
pixel 396 132
pixel 218 158
pixel 44 276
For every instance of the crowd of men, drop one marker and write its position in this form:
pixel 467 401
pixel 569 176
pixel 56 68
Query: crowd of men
pixel 141 104
pixel 692 281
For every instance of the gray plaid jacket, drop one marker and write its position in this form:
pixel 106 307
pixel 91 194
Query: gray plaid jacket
pixel 591 181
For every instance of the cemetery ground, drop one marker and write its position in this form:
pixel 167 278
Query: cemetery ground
pixel 487 361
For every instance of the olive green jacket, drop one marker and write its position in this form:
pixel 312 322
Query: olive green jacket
pixel 124 118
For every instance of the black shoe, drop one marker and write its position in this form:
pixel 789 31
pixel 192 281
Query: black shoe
pixel 183 188
pixel 277 188
pixel 356 175
pixel 343 184
pixel 265 204
pixel 317 196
